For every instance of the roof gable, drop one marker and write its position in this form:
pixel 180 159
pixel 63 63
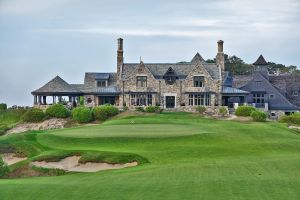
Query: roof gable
pixel 260 61
pixel 197 58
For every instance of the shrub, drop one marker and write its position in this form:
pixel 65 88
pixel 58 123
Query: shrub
pixel 200 109
pixel 291 119
pixel 57 110
pixel 3 129
pixel 3 168
pixel 139 109
pixel 82 114
pixel 153 109
pixel 104 112
pixel 223 111
pixel 3 106
pixel 34 115
pixel 259 116
pixel 244 110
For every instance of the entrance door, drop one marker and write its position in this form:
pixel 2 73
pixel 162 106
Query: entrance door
pixel 170 101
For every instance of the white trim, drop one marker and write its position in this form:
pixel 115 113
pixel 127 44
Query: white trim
pixel 170 94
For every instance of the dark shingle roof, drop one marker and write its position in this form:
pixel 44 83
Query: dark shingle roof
pixel 59 86
pixel 231 90
pixel 260 61
pixel 181 69
pixel 90 83
pixel 102 76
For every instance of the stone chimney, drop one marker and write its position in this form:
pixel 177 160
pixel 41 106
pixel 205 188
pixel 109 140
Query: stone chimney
pixel 120 57
pixel 220 56
pixel 220 60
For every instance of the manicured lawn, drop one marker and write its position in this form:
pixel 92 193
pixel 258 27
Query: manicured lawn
pixel 186 157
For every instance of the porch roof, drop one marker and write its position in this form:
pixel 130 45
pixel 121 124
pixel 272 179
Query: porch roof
pixel 233 91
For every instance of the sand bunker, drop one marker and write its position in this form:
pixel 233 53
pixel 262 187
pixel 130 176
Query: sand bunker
pixel 72 164
pixel 11 158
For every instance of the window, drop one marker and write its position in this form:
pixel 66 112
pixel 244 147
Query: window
pixel 199 99
pixel 89 100
pixel 141 81
pixel 101 83
pixel 271 96
pixel 259 84
pixel 295 93
pixel 258 98
pixel 198 81
pixel 141 99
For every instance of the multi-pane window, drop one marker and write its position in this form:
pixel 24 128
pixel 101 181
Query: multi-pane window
pixel 141 81
pixel 295 93
pixel 198 81
pixel 199 99
pixel 259 98
pixel 141 99
pixel 101 83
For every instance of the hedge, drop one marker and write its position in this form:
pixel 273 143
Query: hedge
pixel 3 106
pixel 82 114
pixel 223 111
pixel 244 110
pixel 259 116
pixel 57 110
pixel 290 119
pixel 34 115
pixel 200 109
pixel 140 109
pixel 152 109
pixel 104 112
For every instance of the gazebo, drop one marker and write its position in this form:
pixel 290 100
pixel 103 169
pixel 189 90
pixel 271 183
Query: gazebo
pixel 59 90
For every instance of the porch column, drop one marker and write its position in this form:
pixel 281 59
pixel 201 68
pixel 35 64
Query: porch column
pixel 45 100
pixel 53 99
pixel 40 100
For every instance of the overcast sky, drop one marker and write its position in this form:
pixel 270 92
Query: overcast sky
pixel 40 39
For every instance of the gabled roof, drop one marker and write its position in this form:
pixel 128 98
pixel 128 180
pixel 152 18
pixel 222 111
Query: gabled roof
pixel 59 86
pixel 197 58
pixel 260 61
pixel 159 69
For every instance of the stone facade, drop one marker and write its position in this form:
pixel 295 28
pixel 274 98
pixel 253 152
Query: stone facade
pixel 178 86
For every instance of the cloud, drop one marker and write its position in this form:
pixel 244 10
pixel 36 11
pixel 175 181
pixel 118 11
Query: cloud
pixel 28 6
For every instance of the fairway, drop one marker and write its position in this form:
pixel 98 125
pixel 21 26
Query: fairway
pixel 185 157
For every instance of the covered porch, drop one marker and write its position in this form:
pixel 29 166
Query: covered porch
pixel 233 97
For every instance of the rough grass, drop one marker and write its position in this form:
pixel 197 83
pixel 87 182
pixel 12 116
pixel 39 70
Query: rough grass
pixel 218 160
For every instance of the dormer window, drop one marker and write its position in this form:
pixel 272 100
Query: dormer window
pixel 101 83
pixel 170 76
pixel 141 81
pixel 198 81
pixel 295 93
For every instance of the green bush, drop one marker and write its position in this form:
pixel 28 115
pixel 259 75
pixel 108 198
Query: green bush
pixel 57 110
pixel 244 110
pixel 139 109
pixel 3 129
pixel 82 114
pixel 3 168
pixel 290 119
pixel 34 115
pixel 200 109
pixel 104 112
pixel 223 111
pixel 152 109
pixel 259 116
pixel 3 106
